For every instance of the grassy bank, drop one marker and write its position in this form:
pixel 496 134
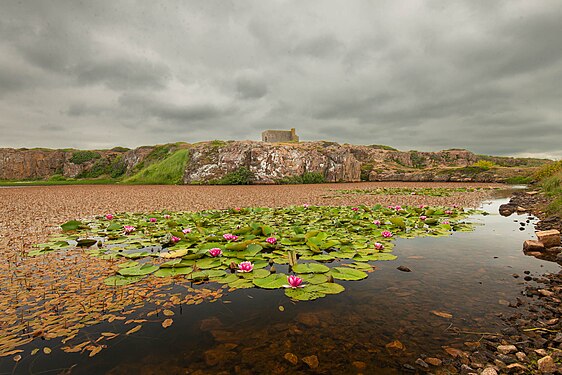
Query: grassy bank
pixel 550 181
pixel 168 171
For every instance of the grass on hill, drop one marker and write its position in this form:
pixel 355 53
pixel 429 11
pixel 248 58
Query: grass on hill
pixel 550 181
pixel 168 171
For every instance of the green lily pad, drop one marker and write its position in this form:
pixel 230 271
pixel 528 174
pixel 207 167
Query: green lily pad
pixel 344 273
pixel 310 268
pixel 273 281
pixel 144 269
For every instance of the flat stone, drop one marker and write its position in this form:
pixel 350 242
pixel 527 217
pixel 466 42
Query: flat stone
pixel 403 269
pixel 506 349
pixel 433 361
pixel 308 319
pixel 546 365
pixel 293 359
pixel 554 250
pixel 489 371
pixel 359 365
pixel 533 245
pixel 549 238
pixel 516 368
pixel 420 362
pixel 311 361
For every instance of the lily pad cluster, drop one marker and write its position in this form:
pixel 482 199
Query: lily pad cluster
pixel 431 192
pixel 255 247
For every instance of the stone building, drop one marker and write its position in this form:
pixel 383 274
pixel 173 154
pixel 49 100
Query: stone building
pixel 279 136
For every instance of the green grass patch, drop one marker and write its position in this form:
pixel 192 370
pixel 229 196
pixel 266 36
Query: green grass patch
pixel 241 176
pixel 168 171
pixel 81 157
pixel 305 178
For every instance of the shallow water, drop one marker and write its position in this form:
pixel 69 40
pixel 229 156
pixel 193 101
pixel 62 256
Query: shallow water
pixel 468 275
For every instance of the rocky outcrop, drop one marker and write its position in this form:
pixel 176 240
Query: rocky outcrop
pixel 270 162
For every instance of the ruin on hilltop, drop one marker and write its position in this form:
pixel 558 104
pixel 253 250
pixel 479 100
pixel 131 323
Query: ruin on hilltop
pixel 279 136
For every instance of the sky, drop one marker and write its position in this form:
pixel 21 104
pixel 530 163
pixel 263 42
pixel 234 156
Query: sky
pixel 416 75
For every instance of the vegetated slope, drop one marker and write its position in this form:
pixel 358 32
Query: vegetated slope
pixel 168 171
pixel 550 181
pixel 243 162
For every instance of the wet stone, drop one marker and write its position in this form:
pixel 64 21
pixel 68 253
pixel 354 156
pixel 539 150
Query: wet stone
pixel 420 362
pixel 359 365
pixel 311 361
pixel 489 371
pixel 521 357
pixel 308 319
pixel 291 358
pixel 434 361
pixel 403 269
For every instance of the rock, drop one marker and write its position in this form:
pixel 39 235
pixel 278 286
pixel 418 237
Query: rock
pixel 434 361
pixel 559 257
pixel 532 246
pixel 420 362
pixel 311 361
pixel 549 238
pixel 541 352
pixel 516 368
pixel 546 293
pixel 532 193
pixel 506 349
pixel 546 365
pixel 395 346
pixel 359 365
pixel 467 370
pixel 210 324
pixel 291 358
pixel 215 356
pixel 489 371
pixel 308 319
pixel 521 357
pixel 554 250
pixel 403 269
pixel 507 209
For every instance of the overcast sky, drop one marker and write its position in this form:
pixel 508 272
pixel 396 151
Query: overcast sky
pixel 425 75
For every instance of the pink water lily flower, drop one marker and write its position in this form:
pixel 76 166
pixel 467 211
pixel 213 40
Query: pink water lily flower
pixel 377 222
pixel 129 229
pixel 186 230
pixel 229 237
pixel 245 267
pixel 294 282
pixel 386 234
pixel 355 209
pixel 109 216
pixel 271 240
pixel 167 217
pixel 379 246
pixel 448 212
pixel 152 220
pixel 175 239
pixel 422 206
pixel 215 252
pixel 423 217
pixel 306 205
pixel 397 208
pixel 445 222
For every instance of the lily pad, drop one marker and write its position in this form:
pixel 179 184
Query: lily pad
pixel 344 273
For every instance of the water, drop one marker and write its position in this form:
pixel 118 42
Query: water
pixel 467 275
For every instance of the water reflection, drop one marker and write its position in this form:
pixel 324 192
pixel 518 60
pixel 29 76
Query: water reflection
pixel 467 275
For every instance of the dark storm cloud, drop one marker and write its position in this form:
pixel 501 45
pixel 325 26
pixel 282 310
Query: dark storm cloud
pixel 415 75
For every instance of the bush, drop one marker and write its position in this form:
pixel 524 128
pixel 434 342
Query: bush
pixel 57 177
pixel 80 157
pixel 241 176
pixel 305 178
pixel 549 170
pixel 120 149
pixel 484 164
pixel 519 180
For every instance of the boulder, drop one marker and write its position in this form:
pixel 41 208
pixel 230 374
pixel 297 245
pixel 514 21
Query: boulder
pixel 533 246
pixel 546 365
pixel 549 238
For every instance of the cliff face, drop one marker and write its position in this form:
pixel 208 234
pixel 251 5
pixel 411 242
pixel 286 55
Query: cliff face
pixel 269 162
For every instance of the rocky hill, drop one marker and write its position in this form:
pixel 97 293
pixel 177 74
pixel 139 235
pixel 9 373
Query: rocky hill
pixel 263 163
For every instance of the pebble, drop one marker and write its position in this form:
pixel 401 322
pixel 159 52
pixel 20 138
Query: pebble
pixel 293 359
pixel 434 361
pixel 546 364
pixel 506 349
pixel 311 361
pixel 404 269
pixel 420 362
pixel 521 357
pixel 489 371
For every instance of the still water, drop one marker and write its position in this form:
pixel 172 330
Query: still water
pixel 250 331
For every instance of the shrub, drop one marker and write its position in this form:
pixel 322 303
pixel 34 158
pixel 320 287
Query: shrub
pixel 549 170
pixel 484 164
pixel 305 178
pixel 80 157
pixel 120 149
pixel 241 176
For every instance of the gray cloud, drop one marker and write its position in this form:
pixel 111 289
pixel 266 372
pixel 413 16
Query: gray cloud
pixel 471 74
